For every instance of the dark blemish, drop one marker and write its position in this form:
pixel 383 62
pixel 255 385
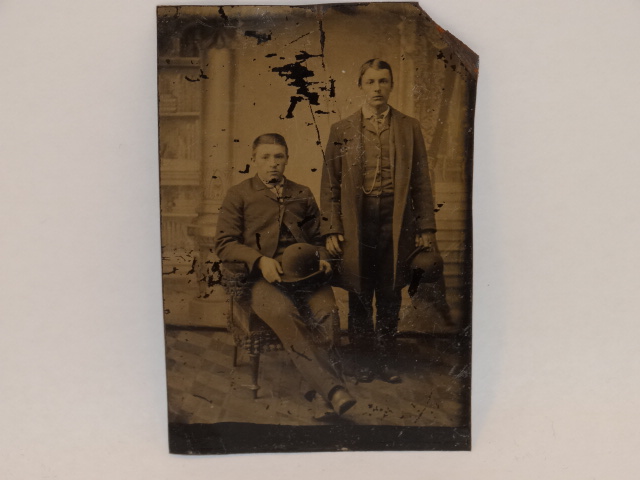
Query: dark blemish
pixel 415 282
pixel 235 140
pixel 246 169
pixel 337 143
pixel 171 272
pixel 314 170
pixel 301 36
pixel 168 60
pixel 322 40
pixel 223 15
pixel 453 67
pixel 258 241
pixel 193 267
pixel 298 74
pixel 214 177
pixel 203 398
pixel 332 88
pixel 167 311
pixel 269 55
pixel 191 79
pixel 306 219
pixel 294 101
pixel 308 124
pixel 322 112
pixel 261 37
pixel 420 415
pixel 203 75
pixel 299 354
pixel 440 55
pixel 438 207
pixel 325 219
pixel 216 275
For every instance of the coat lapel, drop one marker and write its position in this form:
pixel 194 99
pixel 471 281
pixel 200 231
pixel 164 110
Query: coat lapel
pixel 403 162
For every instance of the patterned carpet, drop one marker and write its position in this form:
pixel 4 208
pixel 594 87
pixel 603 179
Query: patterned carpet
pixel 204 387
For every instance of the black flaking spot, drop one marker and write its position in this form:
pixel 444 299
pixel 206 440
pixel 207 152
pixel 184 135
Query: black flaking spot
pixel 261 37
pixel 193 267
pixel 223 15
pixel 298 75
pixel 246 169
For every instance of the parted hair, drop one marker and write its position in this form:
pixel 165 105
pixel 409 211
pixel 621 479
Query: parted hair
pixel 376 64
pixel 270 139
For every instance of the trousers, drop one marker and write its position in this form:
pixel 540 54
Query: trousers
pixel 305 321
pixel 377 276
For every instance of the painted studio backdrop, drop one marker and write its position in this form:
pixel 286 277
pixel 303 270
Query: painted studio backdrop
pixel 229 74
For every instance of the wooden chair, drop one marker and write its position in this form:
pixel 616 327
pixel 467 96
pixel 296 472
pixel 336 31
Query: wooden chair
pixel 249 332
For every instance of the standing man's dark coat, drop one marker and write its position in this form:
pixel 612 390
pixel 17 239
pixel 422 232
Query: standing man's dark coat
pixel 341 192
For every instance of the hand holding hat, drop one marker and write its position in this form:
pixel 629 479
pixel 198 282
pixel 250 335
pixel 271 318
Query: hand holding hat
pixel 301 263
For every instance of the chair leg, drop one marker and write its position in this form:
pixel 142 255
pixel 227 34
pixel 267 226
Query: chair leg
pixel 254 360
pixel 235 356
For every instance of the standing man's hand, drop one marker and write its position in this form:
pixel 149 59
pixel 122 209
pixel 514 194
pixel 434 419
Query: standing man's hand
pixel 426 240
pixel 270 268
pixel 333 244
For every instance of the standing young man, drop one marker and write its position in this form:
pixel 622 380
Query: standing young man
pixel 377 208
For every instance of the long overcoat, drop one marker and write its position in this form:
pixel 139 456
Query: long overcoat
pixel 341 193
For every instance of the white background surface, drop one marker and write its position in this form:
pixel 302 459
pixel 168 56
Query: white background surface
pixel 556 362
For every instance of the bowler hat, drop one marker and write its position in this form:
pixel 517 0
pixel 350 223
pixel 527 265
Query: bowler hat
pixel 427 260
pixel 300 262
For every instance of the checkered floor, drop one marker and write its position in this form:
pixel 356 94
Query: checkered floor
pixel 204 387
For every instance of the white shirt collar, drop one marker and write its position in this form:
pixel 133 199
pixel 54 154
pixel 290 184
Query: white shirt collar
pixel 369 112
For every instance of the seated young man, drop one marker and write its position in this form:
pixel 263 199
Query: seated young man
pixel 259 219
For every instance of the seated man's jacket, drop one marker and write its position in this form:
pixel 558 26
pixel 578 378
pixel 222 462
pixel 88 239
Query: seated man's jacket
pixel 251 217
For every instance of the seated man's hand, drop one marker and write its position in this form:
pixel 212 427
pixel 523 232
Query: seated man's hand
pixel 325 267
pixel 332 244
pixel 270 268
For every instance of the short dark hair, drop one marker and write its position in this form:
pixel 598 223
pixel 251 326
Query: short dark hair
pixel 271 139
pixel 376 64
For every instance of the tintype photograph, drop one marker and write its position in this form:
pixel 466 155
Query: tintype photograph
pixel 315 179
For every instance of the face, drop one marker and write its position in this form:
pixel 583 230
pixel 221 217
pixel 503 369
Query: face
pixel 271 160
pixel 376 85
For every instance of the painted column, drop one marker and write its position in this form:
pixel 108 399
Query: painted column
pixel 210 308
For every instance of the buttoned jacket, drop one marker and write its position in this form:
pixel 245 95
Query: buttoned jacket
pixel 251 217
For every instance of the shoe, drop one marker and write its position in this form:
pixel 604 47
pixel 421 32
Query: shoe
pixel 341 401
pixel 364 375
pixel 387 375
